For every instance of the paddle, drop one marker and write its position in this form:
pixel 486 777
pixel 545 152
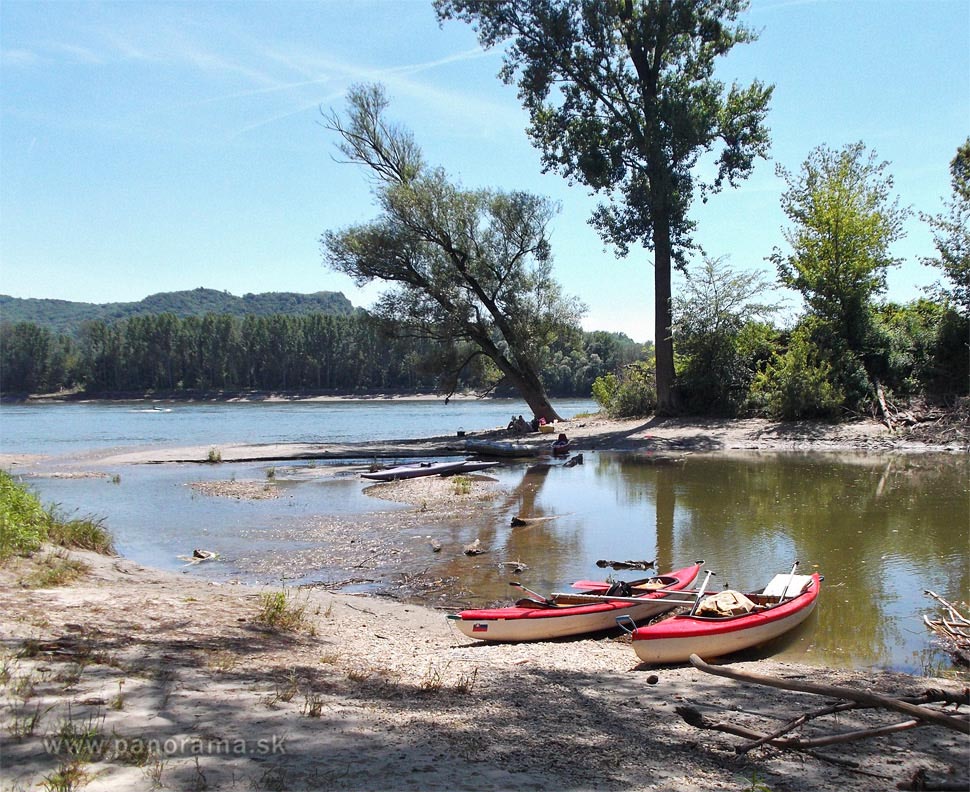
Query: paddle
pixel 599 584
pixel 566 597
pixel 791 577
pixel 537 595
pixel 700 593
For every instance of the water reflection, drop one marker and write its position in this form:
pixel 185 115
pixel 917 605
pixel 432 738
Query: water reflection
pixel 881 530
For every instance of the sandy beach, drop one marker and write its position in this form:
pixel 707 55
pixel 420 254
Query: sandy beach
pixel 165 681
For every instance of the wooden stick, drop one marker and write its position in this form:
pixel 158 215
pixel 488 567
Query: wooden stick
pixel 697 720
pixel 863 696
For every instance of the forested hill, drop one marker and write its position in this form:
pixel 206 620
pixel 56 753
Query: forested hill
pixel 66 317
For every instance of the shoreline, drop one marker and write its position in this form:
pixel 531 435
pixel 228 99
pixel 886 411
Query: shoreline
pixel 587 433
pixel 373 693
pixel 376 694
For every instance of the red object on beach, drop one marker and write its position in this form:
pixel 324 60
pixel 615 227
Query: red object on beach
pixel 576 614
pixel 781 606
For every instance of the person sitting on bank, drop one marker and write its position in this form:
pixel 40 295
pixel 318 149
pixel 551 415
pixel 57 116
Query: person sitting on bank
pixel 560 444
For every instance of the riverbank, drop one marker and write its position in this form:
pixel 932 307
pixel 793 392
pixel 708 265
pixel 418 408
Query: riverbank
pixel 190 689
pixel 947 433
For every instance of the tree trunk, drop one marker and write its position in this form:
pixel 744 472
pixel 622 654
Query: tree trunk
pixel 667 402
pixel 529 386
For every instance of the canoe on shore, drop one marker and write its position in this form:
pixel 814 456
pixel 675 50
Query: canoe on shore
pixel 418 469
pixel 576 614
pixel 500 448
pixel 729 621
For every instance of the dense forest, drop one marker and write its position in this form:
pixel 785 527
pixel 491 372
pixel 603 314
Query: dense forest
pixel 344 353
pixel 67 317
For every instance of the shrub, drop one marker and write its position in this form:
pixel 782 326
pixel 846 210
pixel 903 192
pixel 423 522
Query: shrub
pixel 632 394
pixel 25 524
pixel 23 520
pixel 797 384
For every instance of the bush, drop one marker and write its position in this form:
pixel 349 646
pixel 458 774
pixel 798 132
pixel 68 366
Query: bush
pixel 632 394
pixel 797 384
pixel 25 524
pixel 23 520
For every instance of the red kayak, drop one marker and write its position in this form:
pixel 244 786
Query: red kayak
pixel 730 621
pixel 575 614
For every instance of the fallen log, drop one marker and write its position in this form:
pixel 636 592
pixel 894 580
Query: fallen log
pixel 833 691
pixel 519 520
pixel 602 564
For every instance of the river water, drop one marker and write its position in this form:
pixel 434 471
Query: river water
pixel 880 528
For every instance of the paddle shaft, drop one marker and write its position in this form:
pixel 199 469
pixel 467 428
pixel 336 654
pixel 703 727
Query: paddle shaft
pixel 607 598
pixel 701 592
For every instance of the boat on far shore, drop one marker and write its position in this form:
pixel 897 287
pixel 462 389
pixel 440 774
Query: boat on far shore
pixel 502 448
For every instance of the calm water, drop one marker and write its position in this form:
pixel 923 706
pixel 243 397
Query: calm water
pixel 880 528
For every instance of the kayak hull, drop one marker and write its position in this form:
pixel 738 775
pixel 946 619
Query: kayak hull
pixel 676 639
pixel 538 623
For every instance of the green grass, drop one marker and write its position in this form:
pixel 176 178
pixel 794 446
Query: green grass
pixel 25 525
pixel 279 611
pixel 23 520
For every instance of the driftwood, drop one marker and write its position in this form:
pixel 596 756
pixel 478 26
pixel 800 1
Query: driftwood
pixel 519 520
pixel 625 564
pixel 475 548
pixel 849 699
pixel 953 630
pixel 864 697
pixel 198 556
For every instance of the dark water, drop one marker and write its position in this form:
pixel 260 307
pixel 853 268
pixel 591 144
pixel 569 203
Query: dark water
pixel 880 528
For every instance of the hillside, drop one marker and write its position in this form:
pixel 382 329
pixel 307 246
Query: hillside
pixel 65 316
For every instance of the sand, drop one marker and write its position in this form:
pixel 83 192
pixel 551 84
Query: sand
pixel 180 686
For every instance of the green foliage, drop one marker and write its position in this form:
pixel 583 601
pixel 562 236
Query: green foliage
pixel 23 520
pixel 25 524
pixel 62 316
pixel 631 394
pixel 622 97
pixel 719 344
pixel 798 383
pixel 951 234
pixel 464 266
pixel 82 533
pixel 316 352
pixel 279 610
pixel 844 223
pixel 922 347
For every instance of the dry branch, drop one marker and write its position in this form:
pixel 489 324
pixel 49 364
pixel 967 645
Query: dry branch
pixel 959 724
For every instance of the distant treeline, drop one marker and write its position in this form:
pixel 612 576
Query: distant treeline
pixel 66 316
pixel 348 353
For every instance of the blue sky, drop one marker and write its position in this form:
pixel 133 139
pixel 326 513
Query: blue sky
pixel 149 146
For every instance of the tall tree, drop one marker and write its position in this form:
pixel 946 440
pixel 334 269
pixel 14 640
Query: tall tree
pixel 844 221
pixel 637 105
pixel 951 232
pixel 466 265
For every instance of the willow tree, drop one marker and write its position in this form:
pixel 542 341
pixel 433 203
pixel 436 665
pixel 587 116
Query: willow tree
pixel 466 268
pixel 622 97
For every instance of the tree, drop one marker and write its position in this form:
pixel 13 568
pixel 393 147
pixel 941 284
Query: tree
pixel 844 222
pixel 466 265
pixel 951 232
pixel 637 106
pixel 721 334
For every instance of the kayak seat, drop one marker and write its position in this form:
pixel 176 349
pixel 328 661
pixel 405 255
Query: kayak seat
pixel 786 586
pixel 726 603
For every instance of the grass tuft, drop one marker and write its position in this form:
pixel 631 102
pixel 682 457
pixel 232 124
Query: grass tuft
pixel 278 610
